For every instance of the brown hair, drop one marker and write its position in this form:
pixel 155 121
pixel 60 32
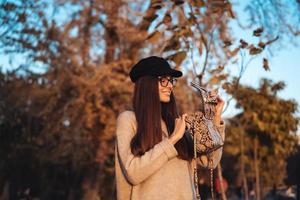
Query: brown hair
pixel 149 111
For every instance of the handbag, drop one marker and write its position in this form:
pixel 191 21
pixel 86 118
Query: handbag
pixel 201 126
pixel 206 137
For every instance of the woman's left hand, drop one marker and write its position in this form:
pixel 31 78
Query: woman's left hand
pixel 219 106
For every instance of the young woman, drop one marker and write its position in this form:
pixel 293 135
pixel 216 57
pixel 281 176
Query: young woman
pixel 153 155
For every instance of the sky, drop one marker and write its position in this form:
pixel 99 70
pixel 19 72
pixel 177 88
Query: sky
pixel 284 64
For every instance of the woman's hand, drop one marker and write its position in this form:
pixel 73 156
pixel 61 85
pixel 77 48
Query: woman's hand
pixel 219 106
pixel 179 129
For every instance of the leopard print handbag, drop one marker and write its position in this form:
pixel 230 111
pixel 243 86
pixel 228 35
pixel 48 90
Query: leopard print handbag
pixel 205 134
pixel 201 126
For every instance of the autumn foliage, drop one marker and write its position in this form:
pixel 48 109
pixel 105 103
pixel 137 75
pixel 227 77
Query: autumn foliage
pixel 58 107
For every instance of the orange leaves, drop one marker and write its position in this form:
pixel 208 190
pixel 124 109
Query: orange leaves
pixel 150 16
pixel 22 17
pixel 198 3
pixel 258 32
pixel 9 6
pixel 167 19
pixel 219 69
pixel 229 10
pixel 261 44
pixel 230 53
pixel 177 57
pixel 217 5
pixel 234 52
pixel 215 80
pixel 243 44
pixel 278 86
pixel 173 44
pixel 254 50
pixel 227 86
pixel 156 4
pixel 154 37
pixel 221 6
pixel 217 75
pixel 227 43
pixel 266 64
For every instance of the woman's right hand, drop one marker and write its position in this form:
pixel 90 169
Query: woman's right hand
pixel 179 129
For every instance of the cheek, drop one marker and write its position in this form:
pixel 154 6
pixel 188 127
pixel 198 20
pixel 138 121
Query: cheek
pixel 159 89
pixel 162 97
pixel 160 94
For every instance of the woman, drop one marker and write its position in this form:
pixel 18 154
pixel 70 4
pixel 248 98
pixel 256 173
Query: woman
pixel 153 155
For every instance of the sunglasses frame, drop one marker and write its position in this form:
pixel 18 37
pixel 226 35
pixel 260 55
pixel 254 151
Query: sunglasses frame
pixel 172 80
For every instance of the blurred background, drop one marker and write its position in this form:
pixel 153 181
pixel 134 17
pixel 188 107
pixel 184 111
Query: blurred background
pixel 64 79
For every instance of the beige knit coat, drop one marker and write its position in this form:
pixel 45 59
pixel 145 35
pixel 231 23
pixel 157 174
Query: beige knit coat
pixel 158 174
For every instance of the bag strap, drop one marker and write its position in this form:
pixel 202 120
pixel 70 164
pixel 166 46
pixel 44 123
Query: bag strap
pixel 212 184
pixel 195 169
pixel 196 184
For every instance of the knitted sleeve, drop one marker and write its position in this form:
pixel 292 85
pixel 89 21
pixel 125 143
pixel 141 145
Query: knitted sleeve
pixel 136 169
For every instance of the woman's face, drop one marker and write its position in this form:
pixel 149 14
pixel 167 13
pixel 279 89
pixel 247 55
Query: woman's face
pixel 165 87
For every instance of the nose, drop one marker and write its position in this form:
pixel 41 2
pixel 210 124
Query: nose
pixel 170 85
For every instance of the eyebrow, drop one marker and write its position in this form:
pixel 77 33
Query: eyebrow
pixel 169 77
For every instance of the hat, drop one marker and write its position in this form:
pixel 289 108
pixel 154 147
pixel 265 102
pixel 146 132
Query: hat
pixel 152 66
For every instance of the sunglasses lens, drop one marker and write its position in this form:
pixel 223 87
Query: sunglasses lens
pixel 164 81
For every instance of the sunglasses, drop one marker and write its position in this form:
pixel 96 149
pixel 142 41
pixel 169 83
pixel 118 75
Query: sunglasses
pixel 164 81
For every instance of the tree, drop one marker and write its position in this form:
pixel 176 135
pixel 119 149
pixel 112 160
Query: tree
pixel 85 50
pixel 269 124
pixel 293 175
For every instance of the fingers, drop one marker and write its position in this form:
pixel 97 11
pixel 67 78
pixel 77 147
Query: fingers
pixel 180 121
pixel 183 116
pixel 220 100
pixel 213 93
pixel 220 104
pixel 179 128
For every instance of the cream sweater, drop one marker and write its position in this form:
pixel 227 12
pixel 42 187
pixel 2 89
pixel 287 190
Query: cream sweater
pixel 157 175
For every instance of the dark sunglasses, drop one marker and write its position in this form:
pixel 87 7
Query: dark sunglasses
pixel 164 81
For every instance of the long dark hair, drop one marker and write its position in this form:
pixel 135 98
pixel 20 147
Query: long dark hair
pixel 148 112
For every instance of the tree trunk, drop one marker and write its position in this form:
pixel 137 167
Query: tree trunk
pixel 111 35
pixel 223 195
pixel 91 192
pixel 243 174
pixel 86 45
pixel 245 186
pixel 256 169
pixel 90 187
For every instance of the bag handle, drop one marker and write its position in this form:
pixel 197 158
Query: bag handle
pixel 200 90
pixel 208 104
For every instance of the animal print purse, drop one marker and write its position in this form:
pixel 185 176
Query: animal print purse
pixel 205 134
pixel 202 129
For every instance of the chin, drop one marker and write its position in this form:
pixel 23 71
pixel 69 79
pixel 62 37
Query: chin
pixel 166 100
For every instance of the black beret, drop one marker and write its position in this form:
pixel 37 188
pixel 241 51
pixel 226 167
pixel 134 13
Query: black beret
pixel 152 66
